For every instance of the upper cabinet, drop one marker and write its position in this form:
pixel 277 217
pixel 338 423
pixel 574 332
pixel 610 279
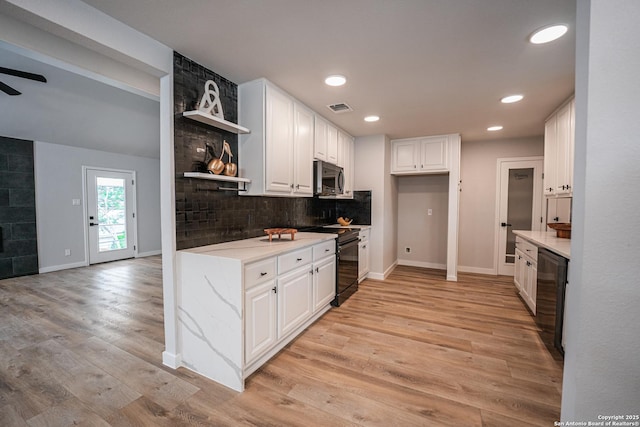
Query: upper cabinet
pixel 347 162
pixel 326 141
pixel 559 141
pixel 420 155
pixel 278 154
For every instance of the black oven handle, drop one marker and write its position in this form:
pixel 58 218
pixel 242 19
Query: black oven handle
pixel 348 245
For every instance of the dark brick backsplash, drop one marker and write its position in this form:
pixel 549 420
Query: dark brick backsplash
pixel 206 215
pixel 19 255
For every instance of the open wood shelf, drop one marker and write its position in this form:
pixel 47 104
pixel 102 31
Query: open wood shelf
pixel 214 121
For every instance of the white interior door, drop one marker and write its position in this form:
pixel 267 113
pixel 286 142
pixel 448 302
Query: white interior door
pixel 520 206
pixel 111 215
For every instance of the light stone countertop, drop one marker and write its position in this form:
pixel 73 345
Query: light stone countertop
pixel 257 248
pixel 359 227
pixel 547 240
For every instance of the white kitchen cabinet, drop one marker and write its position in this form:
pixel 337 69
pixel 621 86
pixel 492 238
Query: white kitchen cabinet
pixel 420 155
pixel 347 162
pixel 326 141
pixel 363 255
pixel 559 142
pixel 241 302
pixel 324 274
pixel 526 272
pixel 260 320
pixel 278 155
pixel 295 299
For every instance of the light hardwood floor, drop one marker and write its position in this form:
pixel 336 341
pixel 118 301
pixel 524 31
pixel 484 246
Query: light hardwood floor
pixel 83 347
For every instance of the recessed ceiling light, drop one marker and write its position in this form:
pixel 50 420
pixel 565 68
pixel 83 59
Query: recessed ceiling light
pixel 371 118
pixel 335 80
pixel 548 34
pixel 511 98
pixel 494 128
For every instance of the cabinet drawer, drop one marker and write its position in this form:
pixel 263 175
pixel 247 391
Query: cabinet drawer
pixel 324 249
pixel 294 259
pixel 364 235
pixel 527 248
pixel 258 272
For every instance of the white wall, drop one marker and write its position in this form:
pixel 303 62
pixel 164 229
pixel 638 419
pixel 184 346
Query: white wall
pixel 602 354
pixel 425 234
pixel 375 150
pixel 478 165
pixel 58 175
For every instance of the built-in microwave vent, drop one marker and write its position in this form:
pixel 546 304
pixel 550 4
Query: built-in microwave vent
pixel 340 108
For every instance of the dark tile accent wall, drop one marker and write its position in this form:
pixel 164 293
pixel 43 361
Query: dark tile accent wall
pixel 18 244
pixel 358 209
pixel 205 214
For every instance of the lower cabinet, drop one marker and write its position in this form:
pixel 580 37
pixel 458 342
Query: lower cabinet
pixel 526 272
pixel 295 293
pixel 233 317
pixel 363 255
pixel 260 319
pixel 276 308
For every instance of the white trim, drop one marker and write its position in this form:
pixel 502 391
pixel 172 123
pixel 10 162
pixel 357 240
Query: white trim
pixel 171 356
pixel 382 276
pixel 477 270
pixel 537 202
pixel 61 267
pixel 422 264
pixel 85 207
pixel 148 253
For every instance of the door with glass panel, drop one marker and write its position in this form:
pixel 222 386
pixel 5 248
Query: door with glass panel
pixel 520 206
pixel 110 215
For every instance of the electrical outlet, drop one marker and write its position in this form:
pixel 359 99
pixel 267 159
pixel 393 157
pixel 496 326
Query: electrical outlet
pixel 67 252
pixel 407 250
pixel 429 211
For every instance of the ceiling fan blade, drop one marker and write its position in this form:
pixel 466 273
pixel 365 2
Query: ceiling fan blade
pixel 8 90
pixel 23 74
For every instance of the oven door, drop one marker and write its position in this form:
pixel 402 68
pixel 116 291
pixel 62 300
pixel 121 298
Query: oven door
pixel 347 280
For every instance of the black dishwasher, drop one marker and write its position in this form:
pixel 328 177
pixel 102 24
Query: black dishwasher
pixel 551 281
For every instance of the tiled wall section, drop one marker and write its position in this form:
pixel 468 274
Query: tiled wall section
pixel 18 247
pixel 206 215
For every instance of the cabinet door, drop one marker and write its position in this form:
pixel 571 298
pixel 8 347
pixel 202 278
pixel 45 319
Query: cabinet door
pixel 324 282
pixel 563 149
pixel 533 286
pixel 550 156
pixel 320 139
pixel 260 320
pixel 303 151
pixel 404 156
pixel 434 154
pixel 332 144
pixel 279 142
pixel 295 299
pixel 520 270
pixel 347 148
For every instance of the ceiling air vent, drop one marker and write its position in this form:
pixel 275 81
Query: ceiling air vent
pixel 340 108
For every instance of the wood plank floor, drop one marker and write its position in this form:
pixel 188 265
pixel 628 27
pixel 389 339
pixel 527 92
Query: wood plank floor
pixel 83 347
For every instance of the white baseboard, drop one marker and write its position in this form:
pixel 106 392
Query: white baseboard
pixel 62 267
pixel 171 360
pixel 477 270
pixel 422 264
pixel 382 276
pixel 149 253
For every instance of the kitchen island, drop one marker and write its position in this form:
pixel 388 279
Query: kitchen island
pixel 241 302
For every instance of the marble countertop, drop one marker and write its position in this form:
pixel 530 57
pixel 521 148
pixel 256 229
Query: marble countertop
pixel 547 240
pixel 249 250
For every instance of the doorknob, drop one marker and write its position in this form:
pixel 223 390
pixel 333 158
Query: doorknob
pixel 504 224
pixel 92 224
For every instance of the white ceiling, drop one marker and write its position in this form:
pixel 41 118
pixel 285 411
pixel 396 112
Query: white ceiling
pixel 425 66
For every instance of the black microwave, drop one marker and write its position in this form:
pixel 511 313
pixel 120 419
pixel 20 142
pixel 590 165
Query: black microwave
pixel 328 179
